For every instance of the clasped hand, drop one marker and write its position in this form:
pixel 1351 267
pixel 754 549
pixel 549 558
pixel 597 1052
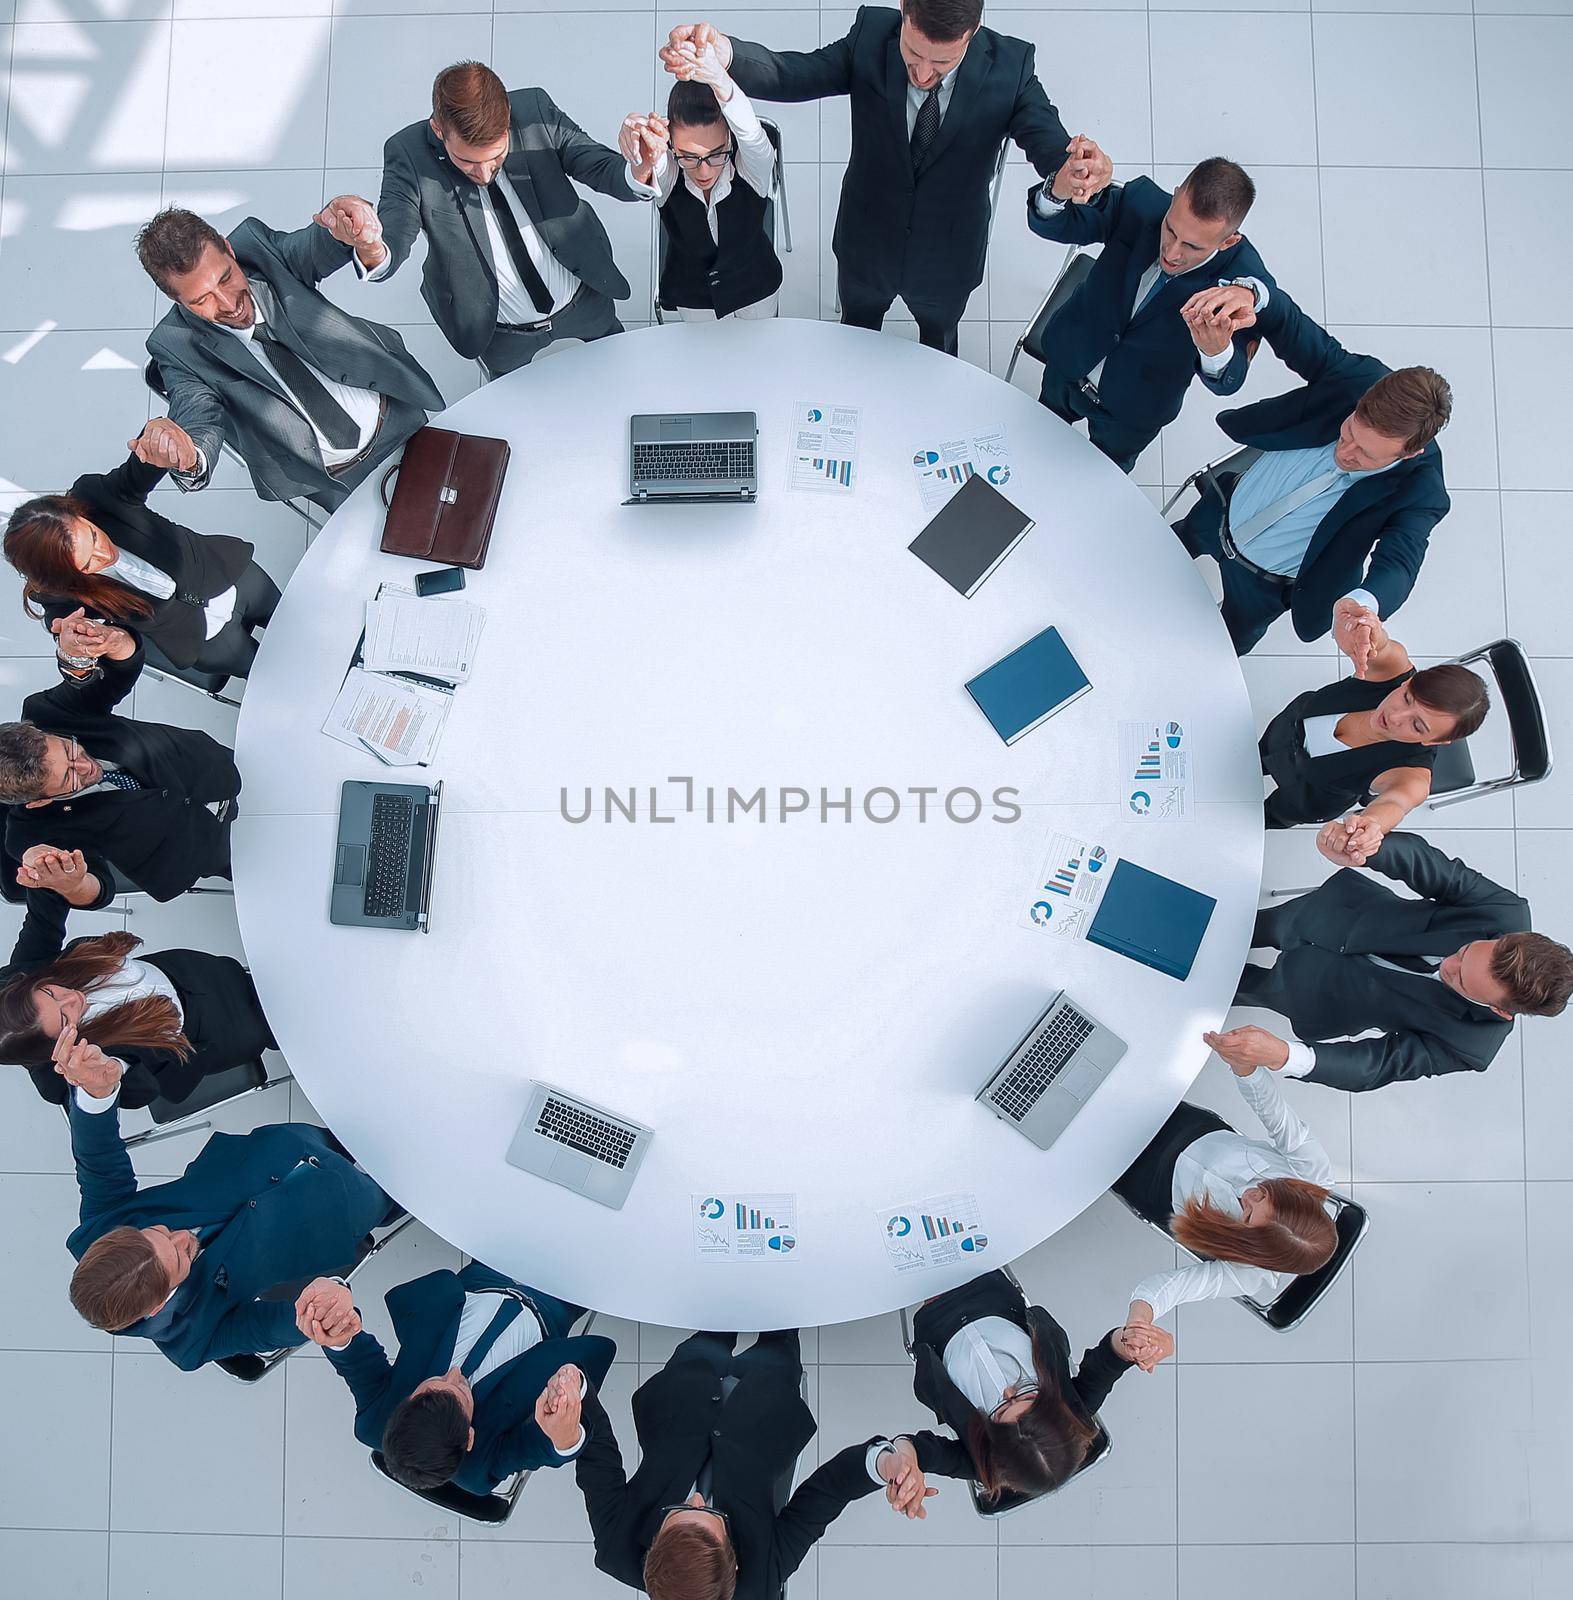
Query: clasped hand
pixel 1215 315
pixel 325 1312
pixel 905 1488
pixel 84 1065
pixel 559 1404
pixel 642 140
pixel 76 635
pixel 1350 841
pixel 1084 172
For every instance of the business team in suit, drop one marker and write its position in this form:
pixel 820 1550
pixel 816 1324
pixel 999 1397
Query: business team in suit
pixel 186 1263
pixel 254 355
pixel 934 96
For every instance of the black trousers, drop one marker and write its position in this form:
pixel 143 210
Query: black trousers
pixel 1121 444
pixel 230 652
pixel 590 315
pixel 866 307
pixel 1250 604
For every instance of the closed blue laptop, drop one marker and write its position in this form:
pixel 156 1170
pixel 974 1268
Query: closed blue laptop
pixel 1151 919
pixel 1029 685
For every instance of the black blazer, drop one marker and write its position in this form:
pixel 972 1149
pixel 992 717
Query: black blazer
pixel 1149 361
pixel 753 1442
pixel 202 565
pixel 921 235
pixel 1328 988
pixel 223 1017
pixel 422 192
pixel 1318 788
pixel 993 1295
pixel 161 837
pixel 1387 518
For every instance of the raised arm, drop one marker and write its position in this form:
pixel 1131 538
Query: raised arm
pixel 1035 125
pixel 104 1175
pixel 1360 1064
pixel 584 159
pixel 251 1329
pixel 1065 222
pixel 311 253
pixel 598 1470
pixel 1401 547
pixel 788 75
pixel 94 697
pixel 1435 875
pixel 817 1502
pixel 132 481
pixel 1290 1135
pixel 398 209
pixel 364 1366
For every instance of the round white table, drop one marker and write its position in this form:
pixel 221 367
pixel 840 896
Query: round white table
pixel 803 1006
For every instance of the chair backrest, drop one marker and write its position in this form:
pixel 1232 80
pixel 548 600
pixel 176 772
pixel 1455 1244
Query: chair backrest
pixel 1011 1501
pixel 997 182
pixel 1072 275
pixel 492 1509
pixel 1521 701
pixel 154 379
pixel 211 1089
pixel 1454 768
pixel 1301 1295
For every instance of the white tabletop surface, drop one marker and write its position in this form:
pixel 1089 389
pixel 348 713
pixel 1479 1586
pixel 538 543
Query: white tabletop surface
pixel 803 1006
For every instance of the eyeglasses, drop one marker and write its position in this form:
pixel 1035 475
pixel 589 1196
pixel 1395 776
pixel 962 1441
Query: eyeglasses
pixel 73 779
pixel 1027 1391
pixel 690 162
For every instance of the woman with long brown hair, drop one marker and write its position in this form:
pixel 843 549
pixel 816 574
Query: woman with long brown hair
pixel 194 599
pixel 1256 1213
pixel 998 1372
pixel 171 1017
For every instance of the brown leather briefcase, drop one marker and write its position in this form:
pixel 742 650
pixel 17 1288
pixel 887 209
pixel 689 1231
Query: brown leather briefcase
pixel 445 500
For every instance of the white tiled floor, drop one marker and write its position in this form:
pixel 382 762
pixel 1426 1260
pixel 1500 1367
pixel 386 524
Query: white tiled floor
pixel 1415 160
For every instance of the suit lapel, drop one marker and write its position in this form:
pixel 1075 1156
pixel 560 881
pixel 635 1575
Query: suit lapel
pixel 517 166
pixel 236 354
pixel 467 201
pixel 970 74
pixel 896 89
pixel 1356 498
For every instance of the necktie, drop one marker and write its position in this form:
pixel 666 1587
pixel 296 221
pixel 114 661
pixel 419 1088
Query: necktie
pixel 925 127
pixel 534 283
pixel 1160 282
pixel 330 419
pixel 120 779
pixel 506 1312
pixel 1281 507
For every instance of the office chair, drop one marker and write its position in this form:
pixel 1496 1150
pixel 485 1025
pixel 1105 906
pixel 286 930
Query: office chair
pixel 1454 779
pixel 1301 1295
pixel 1072 274
pixel 491 1510
pixel 1206 477
pixel 155 664
pixel 1010 1500
pixel 778 222
pixel 171 1118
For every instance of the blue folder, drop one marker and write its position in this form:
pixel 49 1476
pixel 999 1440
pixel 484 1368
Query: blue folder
pixel 1029 685
pixel 1151 919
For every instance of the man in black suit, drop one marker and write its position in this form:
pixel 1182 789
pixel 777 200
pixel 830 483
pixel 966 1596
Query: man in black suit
pixel 1442 976
pixel 934 96
pixel 515 257
pixel 152 802
pixel 707 1513
pixel 254 354
pixel 1177 293
pixel 1340 501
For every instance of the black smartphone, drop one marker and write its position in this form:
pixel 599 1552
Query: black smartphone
pixel 444 580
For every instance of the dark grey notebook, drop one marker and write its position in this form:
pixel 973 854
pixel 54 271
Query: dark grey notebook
pixel 970 535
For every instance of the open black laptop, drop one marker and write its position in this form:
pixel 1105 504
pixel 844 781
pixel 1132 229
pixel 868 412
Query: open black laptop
pixel 387 846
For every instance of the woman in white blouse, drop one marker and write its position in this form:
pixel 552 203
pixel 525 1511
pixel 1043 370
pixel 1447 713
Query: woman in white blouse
pixel 1255 1211
pixel 998 1372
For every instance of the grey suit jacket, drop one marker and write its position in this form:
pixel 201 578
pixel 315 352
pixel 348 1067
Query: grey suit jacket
pixel 422 192
pixel 219 391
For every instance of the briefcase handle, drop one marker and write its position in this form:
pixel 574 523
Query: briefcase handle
pixel 382 487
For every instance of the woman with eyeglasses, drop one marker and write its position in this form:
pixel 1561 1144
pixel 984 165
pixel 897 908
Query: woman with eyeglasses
pixel 172 1017
pixel 100 553
pixel 998 1373
pixel 710 166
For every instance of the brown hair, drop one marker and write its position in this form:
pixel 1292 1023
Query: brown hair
pixel 38 545
pixel 1300 1237
pixel 1412 404
pixel 1045 1446
pixel 1456 692
pixel 150 1023
pixel 172 243
pixel 118 1281
pixel 1537 973
pixel 1219 190
pixel 943 20
pixel 468 99
pixel 22 751
pixel 693 105
pixel 687 1563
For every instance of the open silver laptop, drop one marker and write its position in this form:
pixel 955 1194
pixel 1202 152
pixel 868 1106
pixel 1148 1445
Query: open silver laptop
pixel 1053 1071
pixel 579 1145
pixel 692 455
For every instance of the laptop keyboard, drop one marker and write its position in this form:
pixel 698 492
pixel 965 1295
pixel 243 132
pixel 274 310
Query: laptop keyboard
pixel 704 462
pixel 1044 1060
pixel 584 1131
pixel 388 857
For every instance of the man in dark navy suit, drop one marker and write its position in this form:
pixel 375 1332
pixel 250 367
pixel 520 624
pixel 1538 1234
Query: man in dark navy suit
pixel 1177 293
pixel 486 1381
pixel 1340 501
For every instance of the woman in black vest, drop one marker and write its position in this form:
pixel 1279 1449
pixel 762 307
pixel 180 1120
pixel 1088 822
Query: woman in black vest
pixel 1370 739
pixel 998 1373
pixel 194 599
pixel 712 183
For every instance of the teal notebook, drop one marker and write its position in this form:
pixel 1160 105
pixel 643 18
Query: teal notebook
pixel 1029 685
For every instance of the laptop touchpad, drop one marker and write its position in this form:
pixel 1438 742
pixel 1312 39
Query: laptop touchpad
pixel 352 865
pixel 570 1170
pixel 677 429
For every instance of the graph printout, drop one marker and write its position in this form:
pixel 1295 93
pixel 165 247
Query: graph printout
pixel 940 468
pixel 1063 898
pixel 824 451
pixel 745 1227
pixel 934 1233
pixel 1156 778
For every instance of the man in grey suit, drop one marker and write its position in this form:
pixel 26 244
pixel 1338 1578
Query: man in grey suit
pixel 253 354
pixel 515 256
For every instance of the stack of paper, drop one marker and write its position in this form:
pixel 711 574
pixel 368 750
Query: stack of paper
pixel 436 637
pixel 398 720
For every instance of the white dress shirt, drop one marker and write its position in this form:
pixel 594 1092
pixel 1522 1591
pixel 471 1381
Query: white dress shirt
pixel 522 1334
pixel 513 299
pixel 1218 1168
pixel 138 574
pixel 136 980
pixel 1321 736
pixel 987 1357
pixel 916 97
